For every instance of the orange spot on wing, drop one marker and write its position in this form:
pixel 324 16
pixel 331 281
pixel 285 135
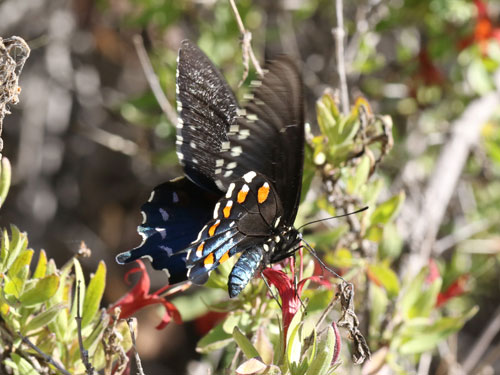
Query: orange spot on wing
pixel 242 195
pixel 199 249
pixel 263 193
pixel 227 211
pixel 209 260
pixel 224 257
pixel 212 229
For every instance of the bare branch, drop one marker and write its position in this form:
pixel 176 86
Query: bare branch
pixel 84 354
pixel 14 52
pixel 339 35
pixel 441 186
pixel 47 358
pixel 246 45
pixel 482 344
pixel 132 322
pixel 153 81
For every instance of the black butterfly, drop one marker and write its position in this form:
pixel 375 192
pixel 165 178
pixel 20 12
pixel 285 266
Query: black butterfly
pixel 244 174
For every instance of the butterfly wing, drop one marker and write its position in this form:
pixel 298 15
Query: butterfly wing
pixel 242 219
pixel 268 136
pixel 207 108
pixel 172 218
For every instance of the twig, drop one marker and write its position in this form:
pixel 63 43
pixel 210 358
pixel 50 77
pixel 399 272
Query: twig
pixel 84 354
pixel 441 186
pixel 153 81
pixel 246 46
pixel 47 358
pixel 483 343
pixel 339 34
pixel 132 322
pixel 460 235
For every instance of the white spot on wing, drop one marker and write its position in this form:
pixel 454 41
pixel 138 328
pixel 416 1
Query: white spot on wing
pixel 192 145
pixel 266 247
pixel 169 250
pixel 225 146
pixel 175 197
pixel 180 156
pixel 144 217
pixel 162 231
pixel 219 163
pixel 236 151
pixel 243 134
pixel 249 176
pixel 234 128
pixel 164 214
pixel 252 117
pixel 148 257
pixel 167 272
pixel 230 189
pixel 231 165
pixel 216 210
pixel 277 222
pixel 151 196
pixel 228 173
pixel 241 112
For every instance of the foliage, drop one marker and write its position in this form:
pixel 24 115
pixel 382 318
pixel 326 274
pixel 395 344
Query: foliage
pixel 40 308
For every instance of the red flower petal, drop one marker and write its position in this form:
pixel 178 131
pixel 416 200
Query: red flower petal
pixel 139 297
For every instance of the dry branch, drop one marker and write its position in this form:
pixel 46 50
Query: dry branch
pixel 464 136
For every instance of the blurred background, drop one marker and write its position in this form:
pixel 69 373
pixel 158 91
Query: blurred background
pixel 88 140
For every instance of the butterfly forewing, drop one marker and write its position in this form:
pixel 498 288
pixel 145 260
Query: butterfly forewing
pixel 268 136
pixel 206 107
pixel 245 171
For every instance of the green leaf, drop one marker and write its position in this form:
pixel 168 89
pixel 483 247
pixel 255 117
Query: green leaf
pixel 479 78
pixel 15 246
pixel 23 366
pixel 324 355
pixel 23 260
pixel 41 266
pixel 360 177
pixel 216 339
pixel 91 340
pixel 251 367
pixel 385 277
pixel 94 294
pixel 387 210
pixel 245 344
pixel 327 114
pixel 43 290
pixel 14 286
pixel 425 338
pixel 5 177
pixel 43 318
pixel 294 345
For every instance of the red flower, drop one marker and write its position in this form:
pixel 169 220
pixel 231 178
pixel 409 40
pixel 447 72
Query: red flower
pixel 483 30
pixel 433 272
pixel 290 297
pixel 139 297
pixel 456 289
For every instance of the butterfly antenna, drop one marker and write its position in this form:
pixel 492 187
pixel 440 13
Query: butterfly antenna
pixel 316 256
pixel 333 217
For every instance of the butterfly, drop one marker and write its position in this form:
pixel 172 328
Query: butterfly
pixel 243 174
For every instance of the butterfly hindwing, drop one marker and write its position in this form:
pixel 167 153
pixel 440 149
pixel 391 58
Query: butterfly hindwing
pixel 244 171
pixel 207 108
pixel 242 219
pixel 172 218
